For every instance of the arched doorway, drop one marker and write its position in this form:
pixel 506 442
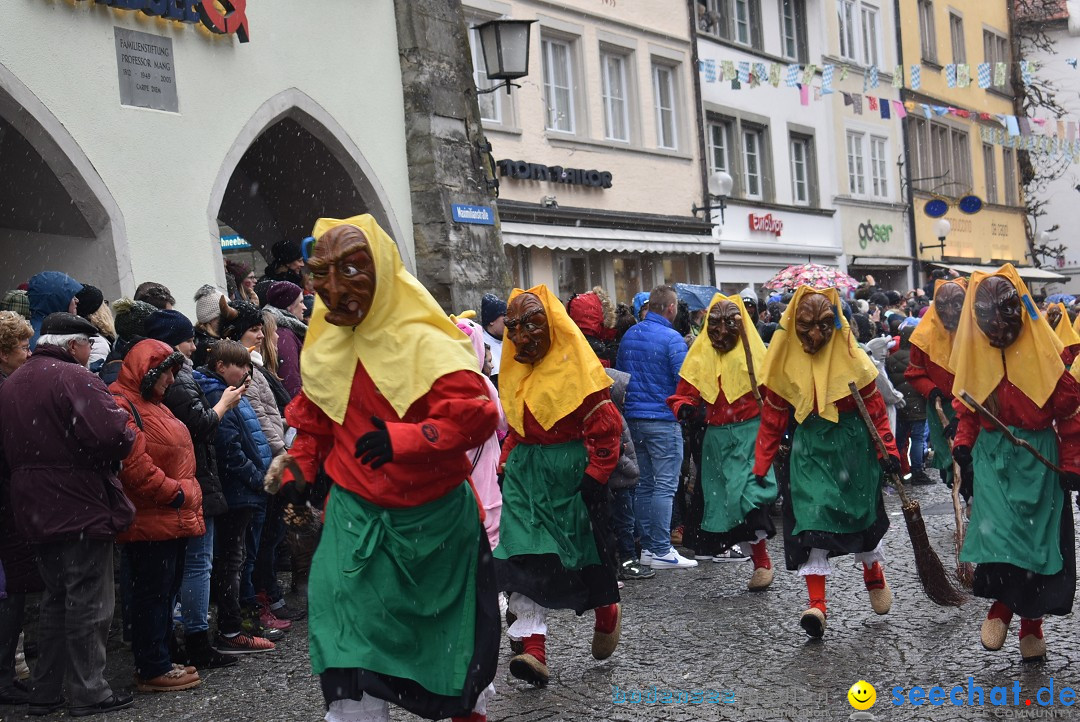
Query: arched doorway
pixel 55 212
pixel 290 165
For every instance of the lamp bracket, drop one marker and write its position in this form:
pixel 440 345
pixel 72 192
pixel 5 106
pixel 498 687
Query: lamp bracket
pixel 505 84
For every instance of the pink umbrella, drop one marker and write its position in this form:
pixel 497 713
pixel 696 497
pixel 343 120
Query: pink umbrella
pixel 813 275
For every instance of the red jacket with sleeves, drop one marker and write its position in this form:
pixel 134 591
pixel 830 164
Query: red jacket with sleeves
pixel 925 375
pixel 596 420
pixel 1016 409
pixel 719 413
pixel 429 442
pixel 774 421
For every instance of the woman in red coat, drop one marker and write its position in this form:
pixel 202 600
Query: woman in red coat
pixel 159 478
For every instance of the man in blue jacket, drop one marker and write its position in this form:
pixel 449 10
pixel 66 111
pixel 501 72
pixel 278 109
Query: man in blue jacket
pixel 652 353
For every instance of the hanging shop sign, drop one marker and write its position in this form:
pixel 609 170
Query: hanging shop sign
pixel 221 17
pixel 766 224
pixel 523 170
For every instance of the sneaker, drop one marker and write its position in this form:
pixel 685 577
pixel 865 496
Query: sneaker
pixel 631 569
pixel 731 555
pixel 646 558
pixel 269 620
pixel 920 478
pixel 252 624
pixel 242 644
pixel 672 560
pixel 280 609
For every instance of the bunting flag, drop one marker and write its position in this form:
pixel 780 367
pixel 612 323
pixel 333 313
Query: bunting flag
pixel 817 93
pixel 950 75
pixel 827 79
pixel 844 70
pixel 710 71
pixel 963 75
pixel 885 114
pixel 899 109
pixel 857 99
pixel 847 98
pixel 793 76
pixel 1070 130
pixel 761 73
pixel 916 77
pixel 1000 72
pixel 1026 68
pixel 872 102
pixel 804 94
pixel 926 110
pixel 1025 126
pixel 1011 125
pixel 898 76
pixel 808 74
pixel 774 75
pixel 729 70
pixel 1061 129
pixel 984 75
pixel 873 76
pixel 744 71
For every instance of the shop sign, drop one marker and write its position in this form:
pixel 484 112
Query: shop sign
pixel 481 215
pixel 522 170
pixel 208 12
pixel 144 63
pixel 870 232
pixel 766 224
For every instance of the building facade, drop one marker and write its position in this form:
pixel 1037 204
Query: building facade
pixel 597 152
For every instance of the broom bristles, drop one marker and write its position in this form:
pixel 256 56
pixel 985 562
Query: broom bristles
pixel 935 580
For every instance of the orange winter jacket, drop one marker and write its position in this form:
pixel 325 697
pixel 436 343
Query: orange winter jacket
pixel 162 460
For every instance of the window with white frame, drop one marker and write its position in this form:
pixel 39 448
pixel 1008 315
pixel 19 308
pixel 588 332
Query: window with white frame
pixel 803 170
pixel 559 85
pixel 927 34
pixel 665 95
pixel 996 50
pixel 490 103
pixel 614 85
pixel 720 146
pixel 737 21
pixel 860 31
pixel 990 173
pixel 793 42
pixel 753 162
pixel 879 167
pixel 956 35
pixel 855 163
pixel 1009 177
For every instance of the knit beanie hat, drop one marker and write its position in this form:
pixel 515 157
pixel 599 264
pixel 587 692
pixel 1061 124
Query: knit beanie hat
pixel 245 316
pixel 491 307
pixel 238 270
pixel 284 252
pixel 170 326
pixel 90 300
pixel 17 301
pixel 283 294
pixel 130 318
pixel 207 307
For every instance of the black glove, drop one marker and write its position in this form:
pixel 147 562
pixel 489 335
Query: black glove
pixel 950 430
pixel 295 493
pixel 936 395
pixel 592 491
pixel 691 414
pixel 178 501
pixel 1070 481
pixel 890 464
pixel 374 447
pixel 962 455
pixel 967 480
pixel 761 480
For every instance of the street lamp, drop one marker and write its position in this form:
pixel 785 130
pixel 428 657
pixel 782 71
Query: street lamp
pixel 720 185
pixel 505 47
pixel 941 229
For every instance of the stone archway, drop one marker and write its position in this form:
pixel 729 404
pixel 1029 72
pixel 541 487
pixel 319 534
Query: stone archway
pixel 291 164
pixel 56 212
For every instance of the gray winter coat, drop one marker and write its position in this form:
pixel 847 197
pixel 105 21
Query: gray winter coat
pixel 626 473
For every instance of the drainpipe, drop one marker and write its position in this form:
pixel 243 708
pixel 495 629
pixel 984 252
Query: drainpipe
pixel 906 130
pixel 699 117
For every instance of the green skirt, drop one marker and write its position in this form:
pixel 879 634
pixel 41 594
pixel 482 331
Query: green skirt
pixel 938 441
pixel 542 511
pixel 393 591
pixel 727 476
pixel 1017 516
pixel 835 475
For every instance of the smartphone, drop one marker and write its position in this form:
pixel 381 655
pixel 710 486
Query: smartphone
pixel 246 380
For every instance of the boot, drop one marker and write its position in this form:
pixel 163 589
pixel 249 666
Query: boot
pixel 763 571
pixel 813 619
pixel 996 626
pixel 531 665
pixel 880 593
pixel 606 631
pixel 1032 644
pixel 203 656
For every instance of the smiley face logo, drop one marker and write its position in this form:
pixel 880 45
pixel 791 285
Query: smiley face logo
pixel 862 695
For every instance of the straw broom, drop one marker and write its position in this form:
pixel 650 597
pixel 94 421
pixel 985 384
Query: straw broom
pixel 965 571
pixel 935 580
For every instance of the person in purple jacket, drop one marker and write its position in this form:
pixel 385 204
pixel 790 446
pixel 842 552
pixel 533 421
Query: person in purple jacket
pixel 285 300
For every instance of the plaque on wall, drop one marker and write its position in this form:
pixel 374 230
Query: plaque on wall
pixel 147 70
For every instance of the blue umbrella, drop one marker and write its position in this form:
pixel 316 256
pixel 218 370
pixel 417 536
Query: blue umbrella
pixel 696 297
pixel 1061 298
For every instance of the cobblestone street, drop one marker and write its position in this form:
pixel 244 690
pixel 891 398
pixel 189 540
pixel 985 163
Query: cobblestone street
pixel 699 629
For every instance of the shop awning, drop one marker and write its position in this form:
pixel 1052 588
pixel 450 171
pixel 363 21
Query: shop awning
pixel 615 240
pixel 1026 272
pixel 879 262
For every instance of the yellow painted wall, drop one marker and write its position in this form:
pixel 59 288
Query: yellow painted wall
pixel 989 234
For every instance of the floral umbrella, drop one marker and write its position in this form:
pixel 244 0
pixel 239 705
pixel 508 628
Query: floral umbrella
pixel 813 275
